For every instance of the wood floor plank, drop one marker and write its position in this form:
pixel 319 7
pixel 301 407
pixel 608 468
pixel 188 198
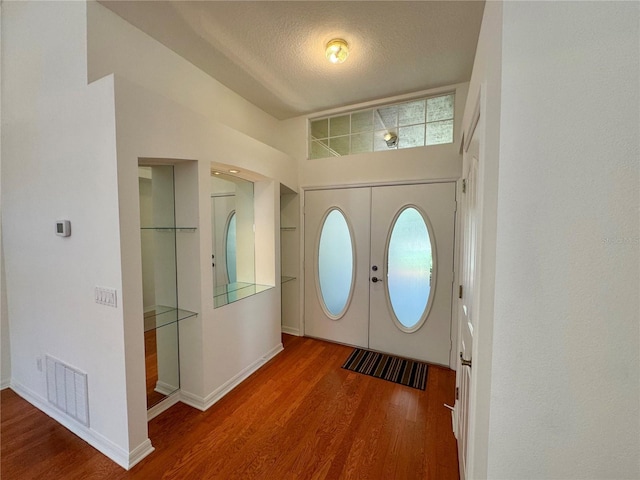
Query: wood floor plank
pixel 299 417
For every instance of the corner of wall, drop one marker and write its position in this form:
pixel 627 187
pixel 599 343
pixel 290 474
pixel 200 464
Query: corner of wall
pixel 5 346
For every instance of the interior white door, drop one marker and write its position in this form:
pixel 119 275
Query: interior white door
pixel 412 239
pixel 336 281
pixel 467 310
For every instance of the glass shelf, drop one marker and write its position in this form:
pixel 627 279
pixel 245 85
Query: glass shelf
pixel 232 292
pixel 170 229
pixel 162 315
pixel 284 279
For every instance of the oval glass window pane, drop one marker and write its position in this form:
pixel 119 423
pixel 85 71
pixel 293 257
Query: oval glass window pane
pixel 409 267
pixel 335 263
pixel 230 250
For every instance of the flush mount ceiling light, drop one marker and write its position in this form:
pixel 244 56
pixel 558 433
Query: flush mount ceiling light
pixel 391 139
pixel 234 171
pixel 337 50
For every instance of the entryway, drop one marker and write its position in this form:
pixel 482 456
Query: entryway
pixel 379 268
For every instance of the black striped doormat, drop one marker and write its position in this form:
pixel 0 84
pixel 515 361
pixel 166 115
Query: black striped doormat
pixel 394 369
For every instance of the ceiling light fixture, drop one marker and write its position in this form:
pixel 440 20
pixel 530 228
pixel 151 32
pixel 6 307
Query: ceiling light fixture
pixel 391 139
pixel 337 50
pixel 234 171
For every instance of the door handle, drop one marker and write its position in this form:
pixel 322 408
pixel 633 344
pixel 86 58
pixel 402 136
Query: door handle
pixel 464 362
pixel 376 279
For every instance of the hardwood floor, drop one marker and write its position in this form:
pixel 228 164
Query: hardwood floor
pixel 151 368
pixel 299 417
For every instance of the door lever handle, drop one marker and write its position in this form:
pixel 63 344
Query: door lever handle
pixel 376 279
pixel 464 362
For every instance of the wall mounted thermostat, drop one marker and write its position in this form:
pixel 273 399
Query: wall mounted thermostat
pixel 63 228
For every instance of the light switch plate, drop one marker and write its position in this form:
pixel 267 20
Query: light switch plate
pixel 106 296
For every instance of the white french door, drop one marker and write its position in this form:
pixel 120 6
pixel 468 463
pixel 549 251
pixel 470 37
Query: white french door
pixel 410 312
pixel 379 268
pixel 342 313
pixel 467 306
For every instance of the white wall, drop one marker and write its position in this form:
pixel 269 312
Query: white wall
pixel 5 345
pixel 59 162
pixel 484 92
pixel 168 109
pixel 117 46
pixel 219 345
pixel 565 384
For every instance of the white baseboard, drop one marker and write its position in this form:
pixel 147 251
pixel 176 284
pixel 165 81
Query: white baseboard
pixel 164 388
pixel 164 405
pixel 291 330
pixel 203 404
pixel 120 456
pixel 139 453
pixel 6 383
pixel 195 401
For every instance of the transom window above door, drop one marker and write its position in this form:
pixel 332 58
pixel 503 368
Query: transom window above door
pixel 427 121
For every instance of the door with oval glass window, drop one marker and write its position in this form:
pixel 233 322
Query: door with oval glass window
pixel 337 265
pixel 412 240
pixel 379 268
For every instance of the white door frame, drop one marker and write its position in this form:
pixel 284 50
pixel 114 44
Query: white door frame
pixel 467 275
pixel 485 120
pixel 301 222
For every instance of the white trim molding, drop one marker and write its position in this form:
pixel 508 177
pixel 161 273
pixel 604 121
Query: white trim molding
pixel 164 405
pixel 291 331
pixel 164 388
pixel 120 456
pixel 139 453
pixel 203 404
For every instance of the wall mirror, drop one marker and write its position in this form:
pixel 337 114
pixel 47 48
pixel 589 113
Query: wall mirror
pixel 158 280
pixel 160 240
pixel 233 239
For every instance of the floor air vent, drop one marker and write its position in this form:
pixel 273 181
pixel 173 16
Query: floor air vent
pixel 67 390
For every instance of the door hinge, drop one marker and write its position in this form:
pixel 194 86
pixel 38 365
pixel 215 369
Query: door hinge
pixel 457 393
pixel 464 185
pixel 459 291
pixel 463 362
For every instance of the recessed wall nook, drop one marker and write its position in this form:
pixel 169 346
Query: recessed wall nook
pixel 162 244
pixel 233 239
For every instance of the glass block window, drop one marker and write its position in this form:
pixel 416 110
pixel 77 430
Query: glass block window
pixel 428 121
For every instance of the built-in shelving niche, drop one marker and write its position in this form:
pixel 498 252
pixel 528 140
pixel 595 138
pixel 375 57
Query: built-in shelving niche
pixel 160 241
pixel 289 260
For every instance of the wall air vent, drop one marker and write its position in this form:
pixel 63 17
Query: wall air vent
pixel 67 390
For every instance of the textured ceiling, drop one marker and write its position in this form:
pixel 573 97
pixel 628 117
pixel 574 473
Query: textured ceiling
pixel 272 53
